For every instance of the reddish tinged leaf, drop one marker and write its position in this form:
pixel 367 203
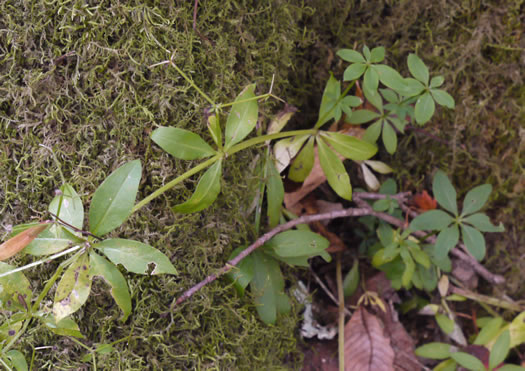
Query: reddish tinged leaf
pixel 20 241
pixel 424 202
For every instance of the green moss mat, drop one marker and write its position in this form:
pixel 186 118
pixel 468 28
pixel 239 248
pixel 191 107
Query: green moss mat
pixel 74 77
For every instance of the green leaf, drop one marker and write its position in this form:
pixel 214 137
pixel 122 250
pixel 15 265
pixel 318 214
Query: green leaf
pixel 410 267
pixel 389 137
pixel 385 233
pixel 431 220
pixel 391 78
pixel 437 81
pixel 214 127
pixel 510 367
pixel 417 68
pixel 412 87
pixel 446 240
pixel 54 239
pixel 66 327
pixel 119 288
pixel 114 198
pixel 15 290
pixel 377 55
pixel 443 98
pixel 425 108
pixel 242 118
pixel 373 96
pixel 366 53
pixel 303 163
pixel 434 351
pixel 420 256
pixel 205 193
pixel 361 116
pixel 298 243
pixel 135 256
pixel 447 365
pixel 482 223
pixel 444 192
pixel 476 198
pixel 268 288
pixel 489 331
pixel 373 131
pixel 70 205
pixel 351 280
pixel 445 323
pixel 275 193
pixel 350 147
pixel 334 170
pixel 242 274
pixel 371 81
pixel 354 71
pixel 351 56
pixel 181 143
pixel 73 289
pixel 468 361
pixel 474 241
pixel 17 360
pixel 442 262
pixel 330 105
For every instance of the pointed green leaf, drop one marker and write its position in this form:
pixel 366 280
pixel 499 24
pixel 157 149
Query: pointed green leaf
pixel 268 288
pixel 205 193
pixel 297 243
pixel 17 360
pixel 73 289
pixel 371 80
pixel 114 198
pixel 468 361
pixel 489 331
pixel 434 351
pixel 373 97
pixel 412 87
pixel 275 193
pixel 119 288
pixel 354 71
pixel 70 205
pixel 242 274
pixel 286 149
pixel 389 137
pixel 242 118
pixel 351 280
pixel 509 367
pixel 419 256
pixel 385 233
pixel 482 223
pixel 214 127
pixel 445 323
pixel 417 68
pixel 334 170
pixel 446 240
pixel 410 267
pixel 443 98
pixel 474 241
pixel 54 239
pixel 15 290
pixel 303 163
pixel 351 56
pixel 330 104
pixel 350 147
pixel 431 220
pixel 437 81
pixel 136 257
pixel 361 116
pixel 476 199
pixel 444 192
pixel 391 78
pixel 377 55
pixel 425 108
pixel 66 327
pixel 182 143
pixel 366 53
pixel 442 262
pixel 373 132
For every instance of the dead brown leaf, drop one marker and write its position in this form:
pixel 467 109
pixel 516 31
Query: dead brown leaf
pixel 14 245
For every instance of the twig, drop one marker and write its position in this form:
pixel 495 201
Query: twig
pixel 327 291
pixel 264 238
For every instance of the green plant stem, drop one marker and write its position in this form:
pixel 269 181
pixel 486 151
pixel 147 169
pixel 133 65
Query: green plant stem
pixel 47 287
pixel 203 165
pixel 16 336
pixel 341 298
pixel 190 81
pixel 341 97
pixel 2 362
pixel 487 299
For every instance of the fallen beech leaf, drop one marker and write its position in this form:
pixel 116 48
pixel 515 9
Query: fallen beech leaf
pixel 424 202
pixel 14 245
pixel 366 346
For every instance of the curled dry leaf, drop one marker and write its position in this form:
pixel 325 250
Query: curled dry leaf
pixel 16 244
pixel 366 346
